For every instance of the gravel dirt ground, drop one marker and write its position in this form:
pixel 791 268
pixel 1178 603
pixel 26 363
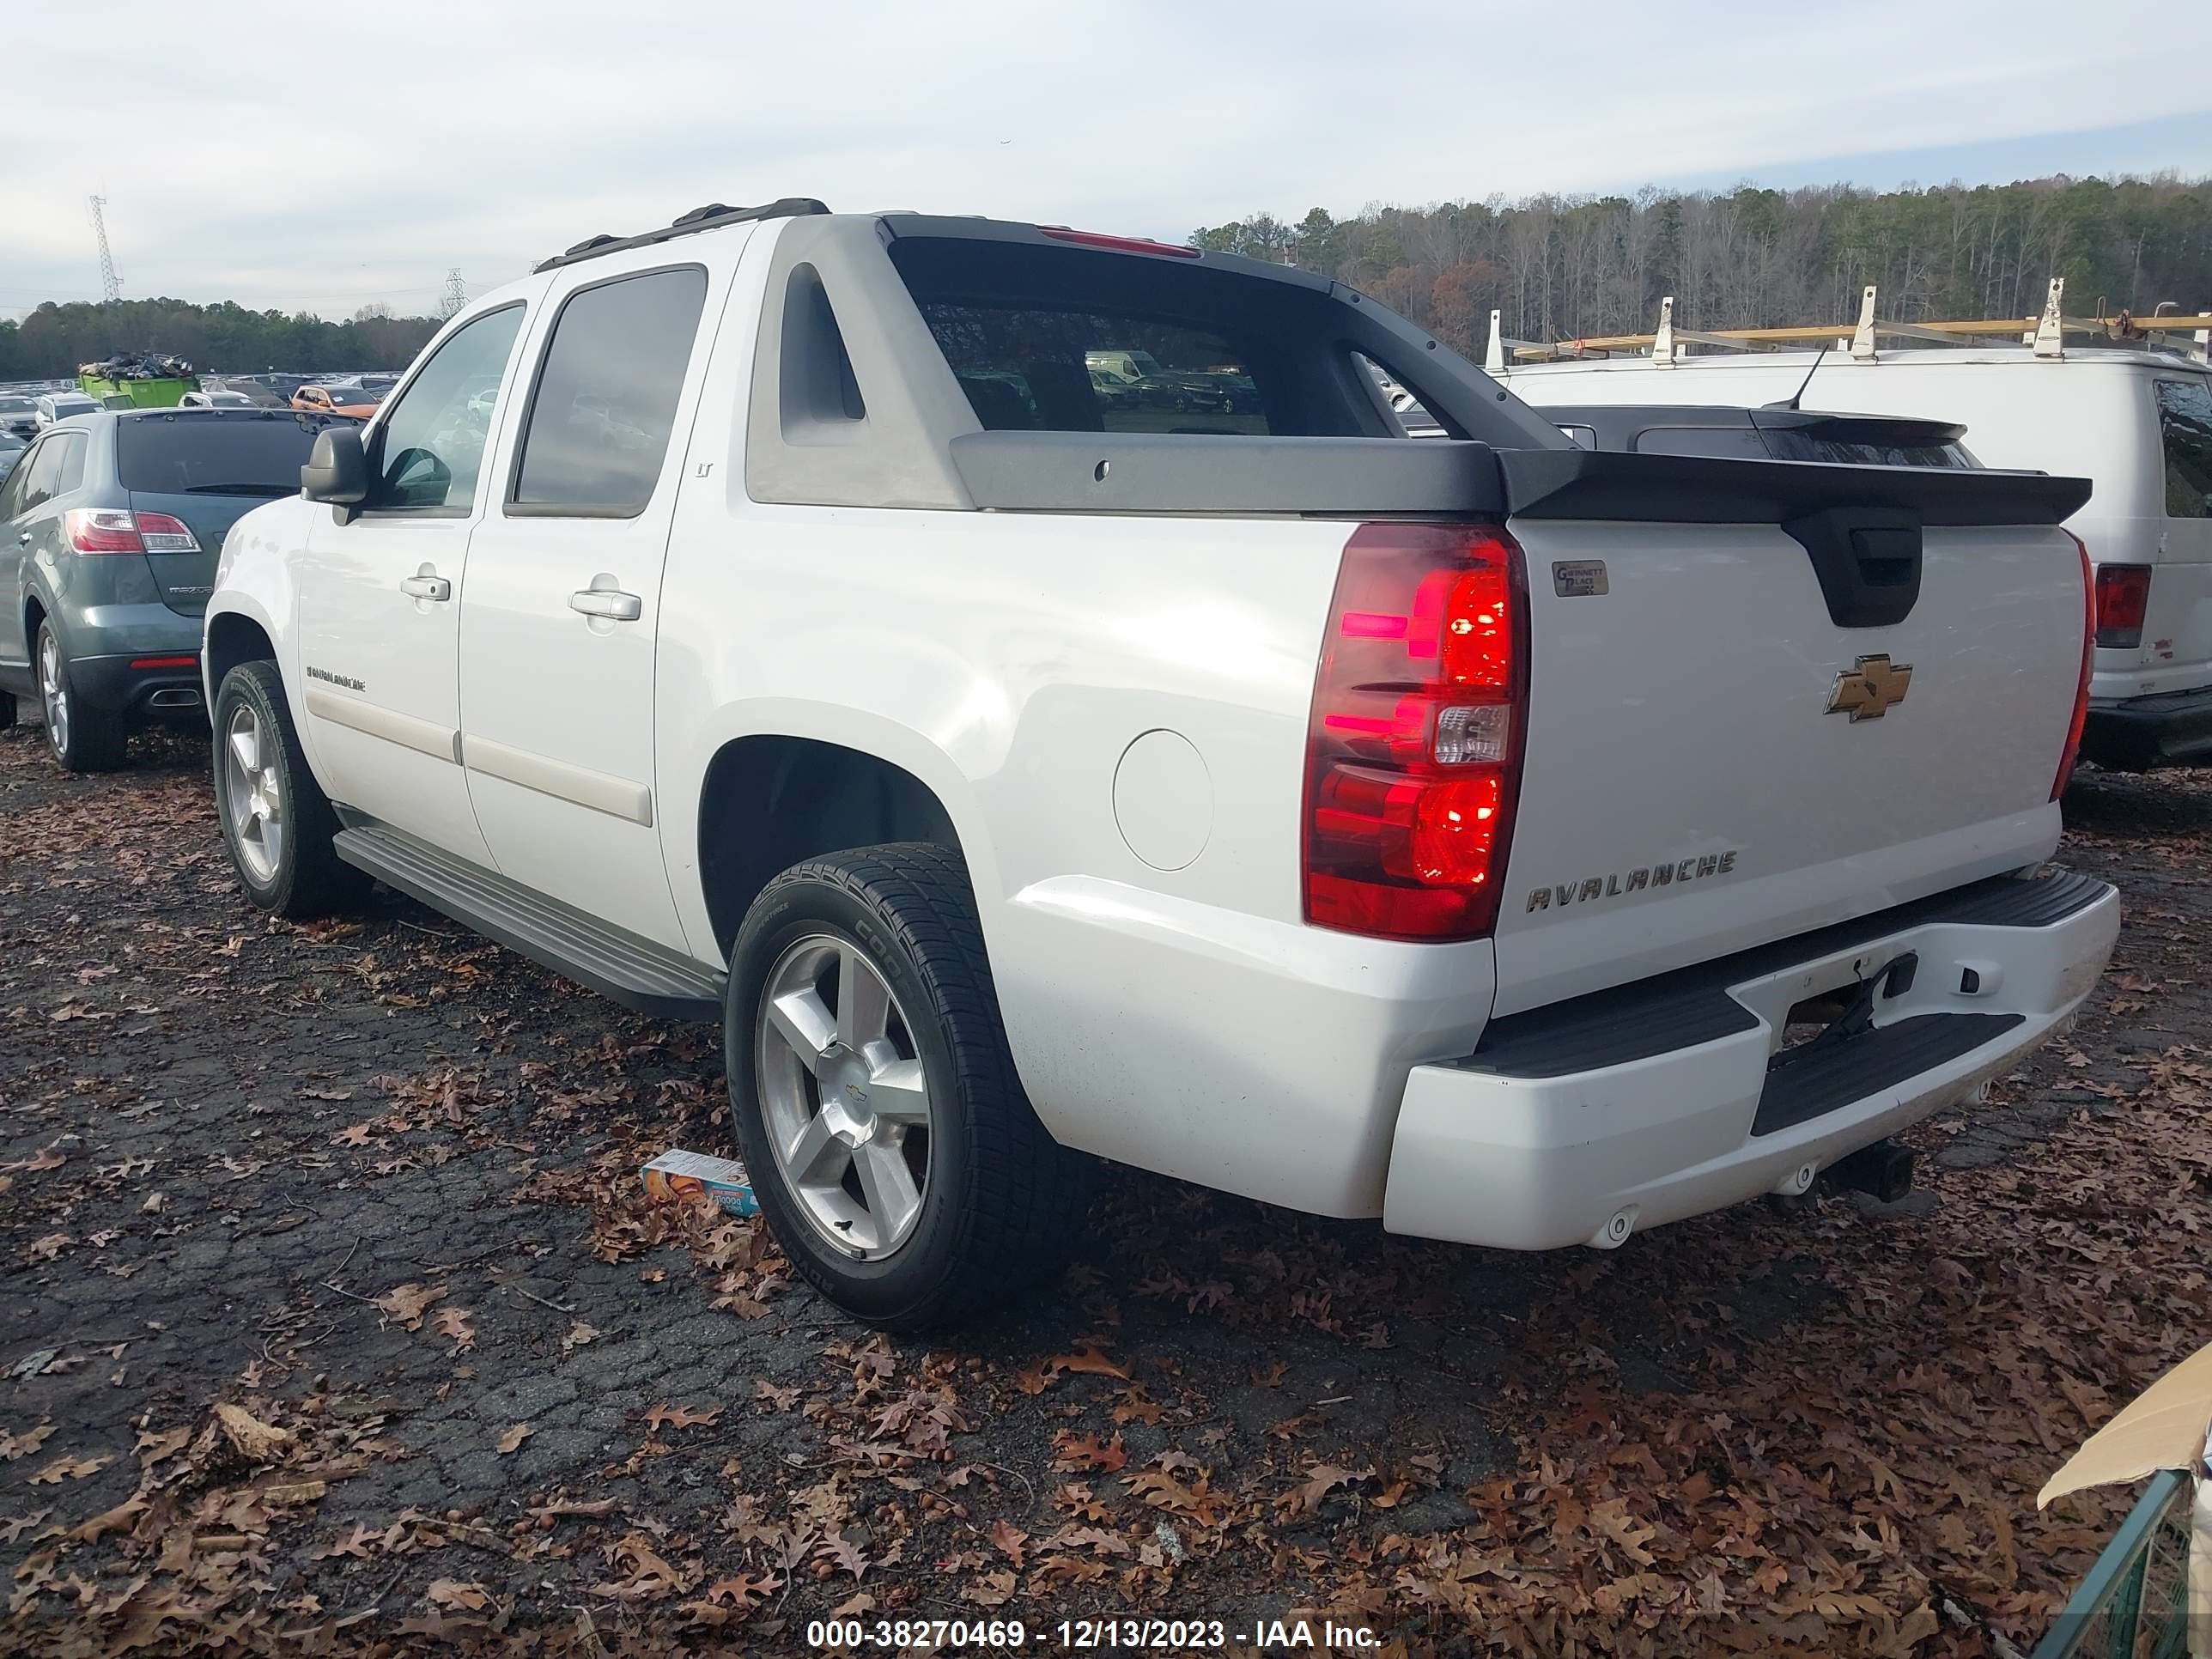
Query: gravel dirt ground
pixel 332 1318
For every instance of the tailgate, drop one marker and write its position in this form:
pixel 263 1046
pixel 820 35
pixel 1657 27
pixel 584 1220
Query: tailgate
pixel 185 580
pixel 1722 749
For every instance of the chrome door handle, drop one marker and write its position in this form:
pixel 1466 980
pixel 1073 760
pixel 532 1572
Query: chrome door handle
pixel 611 603
pixel 426 587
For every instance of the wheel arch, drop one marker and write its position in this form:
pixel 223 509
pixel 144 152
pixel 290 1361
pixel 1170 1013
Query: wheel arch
pixel 768 799
pixel 233 637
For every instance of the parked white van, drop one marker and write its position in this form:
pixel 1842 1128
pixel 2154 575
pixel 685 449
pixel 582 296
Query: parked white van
pixel 2137 422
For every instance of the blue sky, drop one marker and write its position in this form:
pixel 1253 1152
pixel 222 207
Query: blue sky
pixel 325 171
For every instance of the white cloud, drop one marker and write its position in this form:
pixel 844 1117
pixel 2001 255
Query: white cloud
pixel 325 157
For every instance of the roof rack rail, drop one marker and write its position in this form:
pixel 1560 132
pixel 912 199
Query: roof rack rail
pixel 713 216
pixel 2191 335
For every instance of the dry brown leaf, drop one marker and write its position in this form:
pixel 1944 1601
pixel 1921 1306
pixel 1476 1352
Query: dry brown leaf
pixel 1088 1361
pixel 579 1334
pixel 452 1323
pixel 359 1134
pixel 1086 1452
pixel 513 1439
pixel 991 1589
pixel 44 1158
pixel 681 1417
pixel 452 1593
pixel 69 1469
pixel 13 1446
pixel 406 1304
pixel 256 1441
pixel 1009 1540
pixel 119 1519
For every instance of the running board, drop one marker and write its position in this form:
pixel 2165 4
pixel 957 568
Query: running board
pixel 635 972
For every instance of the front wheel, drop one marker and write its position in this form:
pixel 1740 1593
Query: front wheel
pixel 276 822
pixel 888 1139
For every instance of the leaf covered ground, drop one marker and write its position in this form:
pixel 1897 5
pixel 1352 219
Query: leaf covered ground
pixel 333 1319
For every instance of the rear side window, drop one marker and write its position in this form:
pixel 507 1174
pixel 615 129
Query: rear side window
pixel 2184 425
pixel 604 408
pixel 214 455
pixel 1052 339
pixel 69 464
pixel 1734 443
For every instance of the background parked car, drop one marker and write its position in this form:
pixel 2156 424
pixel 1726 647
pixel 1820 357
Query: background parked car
pixel 60 405
pixel 12 446
pixel 219 398
pixel 19 413
pixel 355 400
pixel 253 391
pixel 109 533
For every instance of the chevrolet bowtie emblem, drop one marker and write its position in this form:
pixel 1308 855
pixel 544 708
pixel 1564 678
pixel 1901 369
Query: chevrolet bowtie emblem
pixel 1871 689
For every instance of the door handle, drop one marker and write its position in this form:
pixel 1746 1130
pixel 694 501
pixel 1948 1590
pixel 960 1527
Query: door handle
pixel 423 585
pixel 610 603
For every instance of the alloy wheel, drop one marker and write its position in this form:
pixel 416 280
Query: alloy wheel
pixel 53 693
pixel 253 793
pixel 843 1096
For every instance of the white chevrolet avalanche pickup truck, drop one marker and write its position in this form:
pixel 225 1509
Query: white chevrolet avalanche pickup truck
pixel 767 619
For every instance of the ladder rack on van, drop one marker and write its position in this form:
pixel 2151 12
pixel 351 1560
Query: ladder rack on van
pixel 2047 334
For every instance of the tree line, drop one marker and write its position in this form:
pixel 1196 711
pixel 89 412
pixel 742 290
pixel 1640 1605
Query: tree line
pixel 53 340
pixel 1568 267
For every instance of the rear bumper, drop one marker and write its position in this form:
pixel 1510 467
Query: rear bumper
pixel 2140 732
pixel 116 685
pixel 1587 1121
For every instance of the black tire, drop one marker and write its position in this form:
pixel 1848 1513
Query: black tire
pixel 85 739
pixel 1001 1205
pixel 308 878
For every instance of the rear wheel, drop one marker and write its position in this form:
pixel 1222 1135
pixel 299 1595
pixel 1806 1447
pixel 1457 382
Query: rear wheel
pixel 81 739
pixel 276 821
pixel 888 1139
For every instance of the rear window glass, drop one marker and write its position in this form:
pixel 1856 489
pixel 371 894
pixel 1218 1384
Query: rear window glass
pixel 2185 423
pixel 1025 368
pixel 242 455
pixel 1803 444
pixel 1734 443
pixel 1060 340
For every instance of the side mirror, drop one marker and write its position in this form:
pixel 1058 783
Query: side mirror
pixel 336 470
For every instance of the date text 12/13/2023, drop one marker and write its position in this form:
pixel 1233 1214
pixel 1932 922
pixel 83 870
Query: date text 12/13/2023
pixel 1087 1635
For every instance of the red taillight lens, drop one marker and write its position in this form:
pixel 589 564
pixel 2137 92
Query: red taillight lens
pixel 2092 636
pixel 101 529
pixel 163 534
pixel 2122 595
pixel 1414 749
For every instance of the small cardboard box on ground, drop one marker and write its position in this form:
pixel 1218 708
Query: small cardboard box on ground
pixel 678 1173
pixel 2167 1426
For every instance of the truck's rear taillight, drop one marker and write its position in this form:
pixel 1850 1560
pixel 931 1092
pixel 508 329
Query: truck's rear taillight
pixel 2122 595
pixel 111 530
pixel 2092 637
pixel 1413 749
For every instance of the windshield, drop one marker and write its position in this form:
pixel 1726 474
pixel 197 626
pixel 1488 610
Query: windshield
pixel 15 406
pixel 247 453
pixel 74 405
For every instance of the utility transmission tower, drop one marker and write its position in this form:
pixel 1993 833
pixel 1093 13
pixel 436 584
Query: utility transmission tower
pixel 111 285
pixel 456 294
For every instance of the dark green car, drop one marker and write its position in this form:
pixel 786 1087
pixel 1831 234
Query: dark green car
pixel 110 528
